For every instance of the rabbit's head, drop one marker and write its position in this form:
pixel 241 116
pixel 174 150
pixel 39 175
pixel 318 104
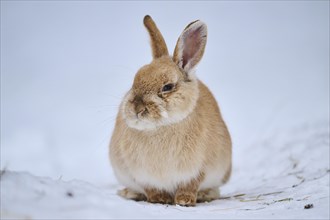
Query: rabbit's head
pixel 166 90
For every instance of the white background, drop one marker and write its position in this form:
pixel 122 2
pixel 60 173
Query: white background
pixel 66 65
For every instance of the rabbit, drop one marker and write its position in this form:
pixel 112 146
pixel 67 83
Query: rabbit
pixel 170 144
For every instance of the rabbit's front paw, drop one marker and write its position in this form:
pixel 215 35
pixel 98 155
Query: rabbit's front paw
pixel 158 196
pixel 185 199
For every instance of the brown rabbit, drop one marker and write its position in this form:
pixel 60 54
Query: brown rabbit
pixel 170 143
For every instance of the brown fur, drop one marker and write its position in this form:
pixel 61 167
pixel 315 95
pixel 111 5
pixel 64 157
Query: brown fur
pixel 158 196
pixel 171 146
pixel 158 44
pixel 186 193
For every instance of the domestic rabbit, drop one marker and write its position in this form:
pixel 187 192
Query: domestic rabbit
pixel 170 144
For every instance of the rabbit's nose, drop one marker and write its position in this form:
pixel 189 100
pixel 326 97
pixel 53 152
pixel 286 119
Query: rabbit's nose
pixel 139 105
pixel 138 100
pixel 140 111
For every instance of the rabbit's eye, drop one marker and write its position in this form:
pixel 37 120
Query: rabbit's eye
pixel 167 87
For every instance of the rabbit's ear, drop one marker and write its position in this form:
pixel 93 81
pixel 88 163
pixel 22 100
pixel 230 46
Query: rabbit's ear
pixel 190 46
pixel 158 44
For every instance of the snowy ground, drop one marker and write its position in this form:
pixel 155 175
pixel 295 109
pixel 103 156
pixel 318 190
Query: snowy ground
pixel 64 72
pixel 284 176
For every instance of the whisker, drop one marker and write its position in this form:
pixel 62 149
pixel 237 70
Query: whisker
pixel 108 120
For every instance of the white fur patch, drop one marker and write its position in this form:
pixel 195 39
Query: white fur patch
pixel 127 180
pixel 213 178
pixel 145 124
pixel 169 180
pixel 141 124
pixel 164 114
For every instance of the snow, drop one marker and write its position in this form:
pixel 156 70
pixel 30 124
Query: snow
pixel 276 179
pixel 65 67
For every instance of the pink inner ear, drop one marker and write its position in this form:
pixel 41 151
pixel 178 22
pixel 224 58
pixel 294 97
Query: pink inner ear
pixel 191 44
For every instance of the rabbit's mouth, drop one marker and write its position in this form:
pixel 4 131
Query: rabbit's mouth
pixel 146 122
pixel 144 119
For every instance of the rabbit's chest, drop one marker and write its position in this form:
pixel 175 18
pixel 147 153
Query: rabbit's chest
pixel 162 162
pixel 157 158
